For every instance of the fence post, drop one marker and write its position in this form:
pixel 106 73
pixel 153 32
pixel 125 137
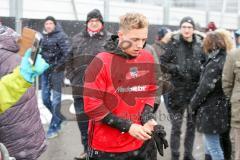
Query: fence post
pixel 238 19
pixel 207 12
pixel 106 10
pixel 166 11
pixel 16 10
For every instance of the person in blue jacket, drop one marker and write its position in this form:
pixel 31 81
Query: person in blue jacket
pixel 55 50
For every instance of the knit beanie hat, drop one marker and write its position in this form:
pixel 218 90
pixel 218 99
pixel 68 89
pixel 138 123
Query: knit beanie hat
pixel 188 20
pixel 95 14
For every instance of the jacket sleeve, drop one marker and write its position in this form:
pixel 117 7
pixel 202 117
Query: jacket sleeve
pixel 94 92
pixel 64 45
pixel 124 125
pixel 147 114
pixel 12 87
pixel 69 64
pixel 206 86
pixel 228 75
pixel 166 59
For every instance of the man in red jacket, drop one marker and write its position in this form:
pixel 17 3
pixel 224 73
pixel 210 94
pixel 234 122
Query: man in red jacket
pixel 119 93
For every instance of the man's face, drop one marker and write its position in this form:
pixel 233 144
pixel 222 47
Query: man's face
pixel 135 40
pixel 49 26
pixel 238 40
pixel 186 30
pixel 94 24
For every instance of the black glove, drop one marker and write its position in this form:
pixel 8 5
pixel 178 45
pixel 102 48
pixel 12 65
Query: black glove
pixel 192 113
pixel 191 109
pixel 159 135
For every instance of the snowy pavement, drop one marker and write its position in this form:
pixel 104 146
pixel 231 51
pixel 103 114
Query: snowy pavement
pixel 68 144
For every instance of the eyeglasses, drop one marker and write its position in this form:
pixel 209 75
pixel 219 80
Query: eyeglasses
pixel 94 20
pixel 187 27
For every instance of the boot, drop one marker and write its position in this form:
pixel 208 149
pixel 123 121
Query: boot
pixel 188 157
pixel 175 156
pixel 83 156
pixel 208 157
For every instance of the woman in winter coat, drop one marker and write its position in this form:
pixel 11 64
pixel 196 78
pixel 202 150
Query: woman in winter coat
pixel 225 137
pixel 21 130
pixel 231 85
pixel 209 102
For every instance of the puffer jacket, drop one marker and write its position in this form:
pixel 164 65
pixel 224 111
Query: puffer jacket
pixel 55 47
pixel 21 130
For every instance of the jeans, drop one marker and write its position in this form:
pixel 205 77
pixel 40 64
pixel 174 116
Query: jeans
pixel 51 84
pixel 83 125
pixel 213 147
pixel 176 116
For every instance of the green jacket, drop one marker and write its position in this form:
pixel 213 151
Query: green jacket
pixel 231 84
pixel 12 87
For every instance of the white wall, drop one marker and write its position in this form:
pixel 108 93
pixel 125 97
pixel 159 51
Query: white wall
pixel 153 13
pixel 4 8
pixel 228 20
pixel 39 9
pixel 176 14
pixel 63 9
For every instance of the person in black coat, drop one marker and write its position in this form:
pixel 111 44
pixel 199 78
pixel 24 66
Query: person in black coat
pixel 55 49
pixel 209 103
pixel 85 46
pixel 183 59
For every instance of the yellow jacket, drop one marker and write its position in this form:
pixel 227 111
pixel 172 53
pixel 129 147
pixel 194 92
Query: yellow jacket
pixel 12 87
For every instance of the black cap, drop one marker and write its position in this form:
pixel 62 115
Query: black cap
pixel 188 20
pixel 95 14
pixel 50 18
pixel 162 32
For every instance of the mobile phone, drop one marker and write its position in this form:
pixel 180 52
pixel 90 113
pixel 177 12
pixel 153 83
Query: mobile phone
pixel 35 49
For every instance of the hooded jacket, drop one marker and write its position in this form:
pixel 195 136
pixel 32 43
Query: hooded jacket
pixel 183 60
pixel 122 85
pixel 21 130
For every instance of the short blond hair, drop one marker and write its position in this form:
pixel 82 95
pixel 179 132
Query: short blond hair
pixel 131 21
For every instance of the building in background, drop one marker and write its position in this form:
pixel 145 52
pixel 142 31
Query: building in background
pixel 225 13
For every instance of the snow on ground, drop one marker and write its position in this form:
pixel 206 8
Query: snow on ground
pixel 44 112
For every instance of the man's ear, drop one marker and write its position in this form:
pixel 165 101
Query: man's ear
pixel 120 34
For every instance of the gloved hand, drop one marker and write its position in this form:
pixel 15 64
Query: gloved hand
pixel 159 135
pixel 192 111
pixel 30 72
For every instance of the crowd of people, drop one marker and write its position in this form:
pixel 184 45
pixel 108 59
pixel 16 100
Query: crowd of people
pixel 117 82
